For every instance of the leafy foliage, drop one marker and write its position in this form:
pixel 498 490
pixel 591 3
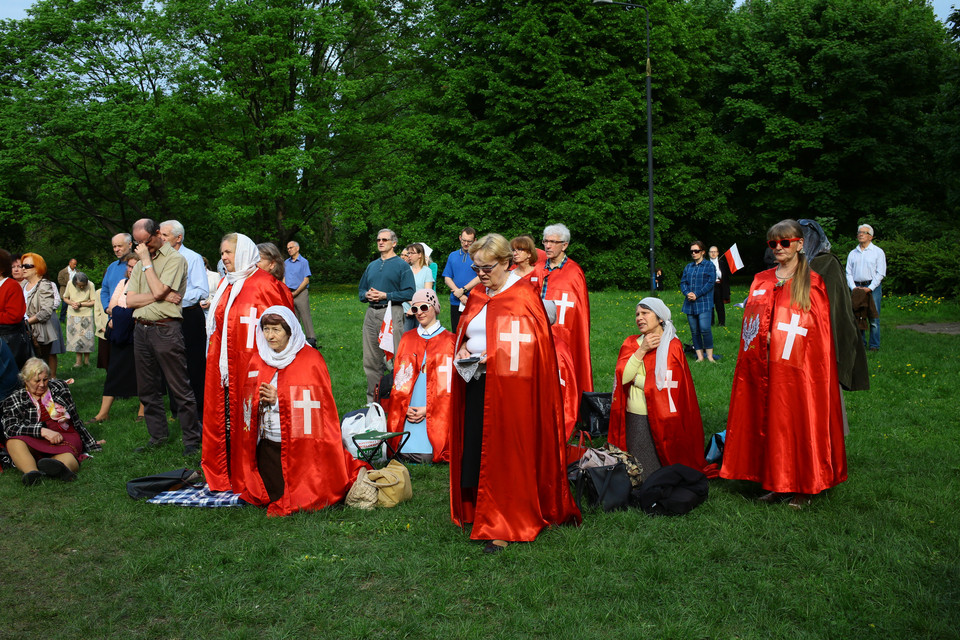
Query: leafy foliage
pixel 328 119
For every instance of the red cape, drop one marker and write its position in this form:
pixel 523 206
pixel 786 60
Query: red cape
pixel 317 470
pixel 523 482
pixel 440 379
pixel 674 412
pixel 568 288
pixel 260 291
pixel 785 425
pixel 568 386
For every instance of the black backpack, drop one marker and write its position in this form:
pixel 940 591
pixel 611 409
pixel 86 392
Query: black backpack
pixel 672 491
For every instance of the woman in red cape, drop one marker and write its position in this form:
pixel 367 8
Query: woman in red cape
pixel 300 463
pixel 422 405
pixel 239 301
pixel 507 444
pixel 665 400
pixel 785 425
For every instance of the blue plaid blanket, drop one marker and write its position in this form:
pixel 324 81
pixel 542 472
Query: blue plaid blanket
pixel 200 496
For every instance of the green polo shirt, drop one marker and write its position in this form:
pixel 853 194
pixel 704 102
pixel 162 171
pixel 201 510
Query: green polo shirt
pixel 171 268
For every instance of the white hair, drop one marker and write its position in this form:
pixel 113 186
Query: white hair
pixel 393 236
pixel 557 230
pixel 175 227
pixel 867 227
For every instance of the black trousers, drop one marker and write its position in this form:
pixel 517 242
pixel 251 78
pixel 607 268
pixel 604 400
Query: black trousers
pixel 472 433
pixel 194 341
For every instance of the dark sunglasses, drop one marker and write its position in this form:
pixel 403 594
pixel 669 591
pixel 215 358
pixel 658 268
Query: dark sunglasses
pixel 420 308
pixel 696 250
pixel 485 269
pixel 785 242
pixel 26 266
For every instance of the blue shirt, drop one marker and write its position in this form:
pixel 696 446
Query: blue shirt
pixel 294 271
pixel 458 268
pixel 116 272
pixel 699 279
pixel 865 265
pixel 198 288
pixel 392 276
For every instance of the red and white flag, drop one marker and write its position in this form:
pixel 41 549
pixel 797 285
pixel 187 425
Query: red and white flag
pixel 385 337
pixel 733 259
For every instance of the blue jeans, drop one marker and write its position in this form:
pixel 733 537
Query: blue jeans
pixel 874 323
pixel 700 329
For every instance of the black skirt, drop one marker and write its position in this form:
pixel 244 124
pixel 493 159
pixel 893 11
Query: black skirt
pixel 472 433
pixel 121 381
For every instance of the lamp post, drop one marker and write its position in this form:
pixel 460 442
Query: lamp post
pixel 653 268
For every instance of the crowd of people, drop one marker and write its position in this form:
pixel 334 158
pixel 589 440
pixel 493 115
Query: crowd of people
pixel 494 396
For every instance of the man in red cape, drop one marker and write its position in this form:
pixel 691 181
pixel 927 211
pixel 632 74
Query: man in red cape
pixel 440 372
pixel 785 424
pixel 260 290
pixel 561 279
pixel 318 471
pixel 673 412
pixel 523 485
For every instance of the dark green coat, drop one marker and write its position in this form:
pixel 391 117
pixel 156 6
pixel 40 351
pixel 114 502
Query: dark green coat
pixel 851 355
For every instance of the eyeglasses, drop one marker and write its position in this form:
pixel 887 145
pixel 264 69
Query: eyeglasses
pixel 485 268
pixel 545 241
pixel 695 251
pixel 26 266
pixel 384 240
pixel 784 242
pixel 422 308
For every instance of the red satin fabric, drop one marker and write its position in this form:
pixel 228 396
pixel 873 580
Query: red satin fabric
pixel 260 290
pixel 523 485
pixel 785 424
pixel 568 386
pixel 678 434
pixel 565 286
pixel 439 354
pixel 317 470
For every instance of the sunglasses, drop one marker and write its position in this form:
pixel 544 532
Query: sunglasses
pixel 785 242
pixel 420 308
pixel 485 268
pixel 26 266
pixel 696 250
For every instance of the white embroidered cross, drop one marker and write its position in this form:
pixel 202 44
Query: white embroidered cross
pixel 793 330
pixel 515 338
pixel 563 304
pixel 307 405
pixel 447 368
pixel 251 322
pixel 671 384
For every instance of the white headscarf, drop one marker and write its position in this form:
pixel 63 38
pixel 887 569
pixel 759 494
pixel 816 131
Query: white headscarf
pixel 669 333
pixel 245 261
pixel 275 359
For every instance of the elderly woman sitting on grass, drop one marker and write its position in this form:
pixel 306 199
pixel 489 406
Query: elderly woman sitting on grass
pixel 44 433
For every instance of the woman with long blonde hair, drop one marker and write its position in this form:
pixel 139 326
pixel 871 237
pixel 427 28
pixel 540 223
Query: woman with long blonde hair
pixel 785 424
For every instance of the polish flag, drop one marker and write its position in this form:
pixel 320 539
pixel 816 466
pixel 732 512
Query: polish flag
pixel 733 259
pixel 385 337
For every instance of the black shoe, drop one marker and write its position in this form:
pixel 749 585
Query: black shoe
pixel 56 469
pixel 191 449
pixel 31 478
pixel 150 446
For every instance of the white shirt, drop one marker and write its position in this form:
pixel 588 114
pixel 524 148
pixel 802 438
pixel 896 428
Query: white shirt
pixel 864 265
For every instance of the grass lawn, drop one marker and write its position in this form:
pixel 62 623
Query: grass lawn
pixel 876 557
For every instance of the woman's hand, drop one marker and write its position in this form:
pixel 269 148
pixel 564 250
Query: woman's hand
pixel 463 353
pixel 416 414
pixel 51 436
pixel 268 394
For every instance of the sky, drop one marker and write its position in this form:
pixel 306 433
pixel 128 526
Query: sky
pixel 17 9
